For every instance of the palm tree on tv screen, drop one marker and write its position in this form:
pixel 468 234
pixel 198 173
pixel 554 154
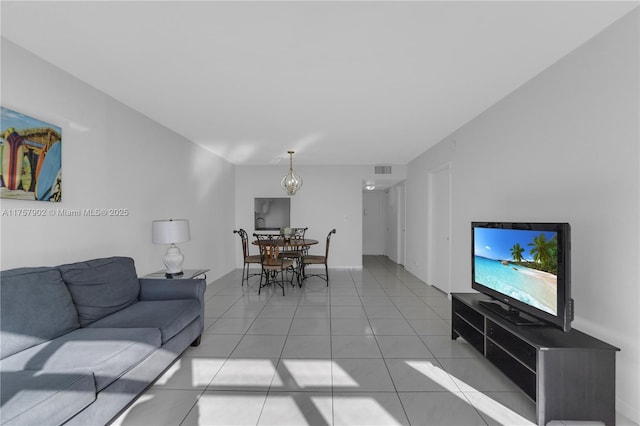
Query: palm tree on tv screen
pixel 544 252
pixel 516 252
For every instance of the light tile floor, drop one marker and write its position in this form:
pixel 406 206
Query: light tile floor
pixel 373 348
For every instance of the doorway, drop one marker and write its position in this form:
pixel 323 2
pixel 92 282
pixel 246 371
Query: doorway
pixel 383 223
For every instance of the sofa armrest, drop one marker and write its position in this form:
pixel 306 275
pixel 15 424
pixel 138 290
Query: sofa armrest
pixel 155 289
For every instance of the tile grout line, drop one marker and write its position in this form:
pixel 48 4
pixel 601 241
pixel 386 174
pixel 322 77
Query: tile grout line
pixel 387 366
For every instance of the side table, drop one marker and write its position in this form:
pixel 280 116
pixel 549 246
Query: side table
pixel 187 274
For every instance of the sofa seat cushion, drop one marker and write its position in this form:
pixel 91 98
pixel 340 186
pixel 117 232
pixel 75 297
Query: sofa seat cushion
pixel 38 397
pixel 170 316
pixel 101 287
pixel 35 306
pixel 107 352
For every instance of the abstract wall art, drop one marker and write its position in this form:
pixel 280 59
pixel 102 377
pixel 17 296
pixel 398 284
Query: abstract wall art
pixel 31 153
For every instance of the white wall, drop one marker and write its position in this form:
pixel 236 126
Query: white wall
pixel 331 197
pixel 564 147
pixel 113 157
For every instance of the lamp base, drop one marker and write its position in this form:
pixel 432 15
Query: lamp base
pixel 173 259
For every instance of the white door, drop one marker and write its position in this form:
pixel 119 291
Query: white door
pixel 392 225
pixel 401 223
pixel 373 223
pixel 395 223
pixel 439 229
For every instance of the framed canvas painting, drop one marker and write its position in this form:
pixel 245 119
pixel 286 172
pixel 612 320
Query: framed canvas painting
pixel 31 153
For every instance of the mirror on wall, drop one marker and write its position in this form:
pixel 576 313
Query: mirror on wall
pixel 271 214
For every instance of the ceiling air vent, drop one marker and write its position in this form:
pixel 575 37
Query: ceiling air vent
pixel 382 170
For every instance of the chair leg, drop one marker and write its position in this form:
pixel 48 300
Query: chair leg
pixel 244 266
pixel 295 271
pixel 326 270
pixel 260 284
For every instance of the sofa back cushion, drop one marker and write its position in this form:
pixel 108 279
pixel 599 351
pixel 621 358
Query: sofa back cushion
pixel 101 287
pixel 35 306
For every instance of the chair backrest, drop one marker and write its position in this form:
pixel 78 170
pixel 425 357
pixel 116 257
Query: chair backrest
pixel 298 233
pixel 245 241
pixel 269 249
pixel 326 253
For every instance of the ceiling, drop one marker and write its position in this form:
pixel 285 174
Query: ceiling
pixel 353 83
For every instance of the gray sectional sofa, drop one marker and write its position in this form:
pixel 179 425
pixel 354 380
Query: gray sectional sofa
pixel 79 342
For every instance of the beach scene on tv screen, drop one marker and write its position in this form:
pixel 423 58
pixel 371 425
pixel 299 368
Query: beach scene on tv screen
pixel 521 264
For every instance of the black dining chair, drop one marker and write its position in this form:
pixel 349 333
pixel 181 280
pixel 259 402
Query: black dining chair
pixel 295 251
pixel 247 258
pixel 311 259
pixel 272 262
pixel 299 233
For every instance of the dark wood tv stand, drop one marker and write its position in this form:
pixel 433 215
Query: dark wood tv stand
pixel 570 376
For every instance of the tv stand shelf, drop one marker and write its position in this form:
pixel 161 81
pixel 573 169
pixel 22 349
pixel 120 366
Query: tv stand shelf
pixel 570 376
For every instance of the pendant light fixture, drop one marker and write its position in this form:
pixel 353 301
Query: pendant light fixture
pixel 291 183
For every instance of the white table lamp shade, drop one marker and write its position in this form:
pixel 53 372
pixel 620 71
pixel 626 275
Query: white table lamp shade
pixel 171 232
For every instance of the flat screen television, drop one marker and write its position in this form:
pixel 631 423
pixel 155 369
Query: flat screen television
pixel 526 267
